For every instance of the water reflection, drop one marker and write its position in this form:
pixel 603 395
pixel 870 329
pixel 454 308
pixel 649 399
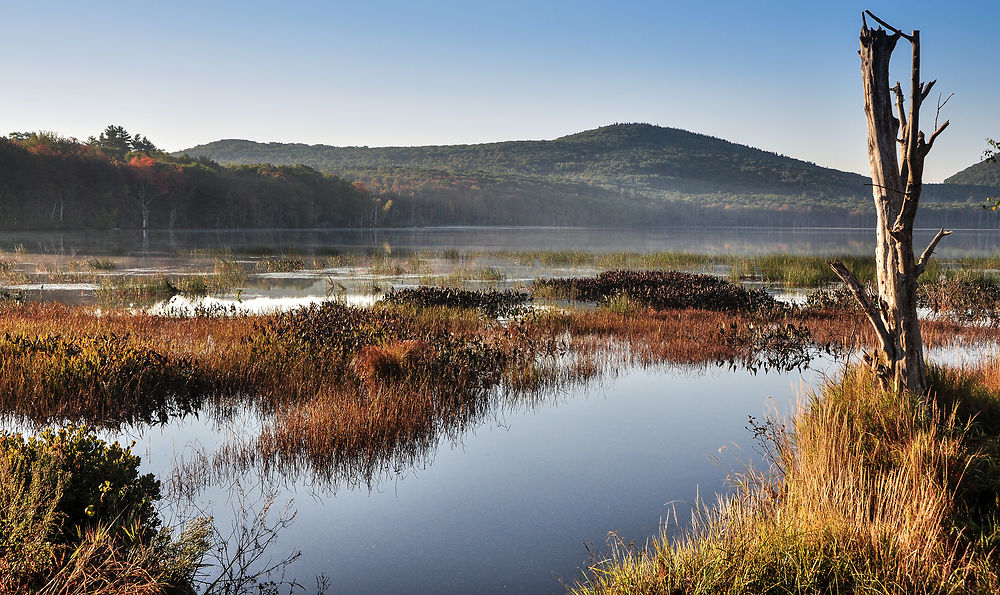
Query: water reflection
pixel 509 498
pixel 746 241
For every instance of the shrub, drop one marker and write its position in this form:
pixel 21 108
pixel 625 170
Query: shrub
pixel 492 303
pixel 99 481
pixel 77 517
pixel 662 290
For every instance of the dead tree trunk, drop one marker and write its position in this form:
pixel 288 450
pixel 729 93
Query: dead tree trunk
pixel 896 186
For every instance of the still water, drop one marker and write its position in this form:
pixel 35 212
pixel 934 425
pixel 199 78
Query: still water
pixel 744 241
pixel 48 265
pixel 508 504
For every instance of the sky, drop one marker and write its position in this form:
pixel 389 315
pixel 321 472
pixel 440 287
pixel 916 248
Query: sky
pixel 780 76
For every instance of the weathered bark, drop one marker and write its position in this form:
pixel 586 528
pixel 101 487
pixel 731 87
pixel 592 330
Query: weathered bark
pixel 896 187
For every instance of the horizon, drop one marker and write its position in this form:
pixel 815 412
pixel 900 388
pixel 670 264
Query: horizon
pixel 785 79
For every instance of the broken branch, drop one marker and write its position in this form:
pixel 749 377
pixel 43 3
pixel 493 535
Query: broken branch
pixel 887 26
pixel 921 265
pixel 866 304
pixel 930 142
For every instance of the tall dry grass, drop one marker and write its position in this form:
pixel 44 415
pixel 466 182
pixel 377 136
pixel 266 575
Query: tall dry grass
pixel 866 495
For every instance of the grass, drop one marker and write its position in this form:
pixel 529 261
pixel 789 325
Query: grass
pixel 102 264
pixel 280 264
pixel 867 493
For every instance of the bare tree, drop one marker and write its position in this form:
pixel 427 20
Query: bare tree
pixel 896 186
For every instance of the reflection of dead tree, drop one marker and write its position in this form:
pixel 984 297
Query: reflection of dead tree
pixel 144 206
pixel 58 205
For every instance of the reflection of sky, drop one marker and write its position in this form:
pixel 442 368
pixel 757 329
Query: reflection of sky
pixel 514 500
pixel 180 305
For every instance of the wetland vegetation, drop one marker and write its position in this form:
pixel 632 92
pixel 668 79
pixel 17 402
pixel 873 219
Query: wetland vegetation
pixel 347 396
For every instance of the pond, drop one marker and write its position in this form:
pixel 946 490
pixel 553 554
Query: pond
pixel 509 504
pixel 512 500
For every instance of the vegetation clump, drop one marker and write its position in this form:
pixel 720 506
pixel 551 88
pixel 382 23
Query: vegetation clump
pixel 281 264
pixel 106 378
pixel 317 345
pixel 963 298
pixel 758 345
pixel 76 516
pixel 836 297
pixel 661 290
pixel 492 303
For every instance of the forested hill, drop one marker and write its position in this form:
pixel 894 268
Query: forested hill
pixel 626 175
pixel 623 174
pixel 984 173
pixel 120 180
pixel 639 157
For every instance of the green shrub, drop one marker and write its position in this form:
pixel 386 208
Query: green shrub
pixel 76 516
pixel 98 481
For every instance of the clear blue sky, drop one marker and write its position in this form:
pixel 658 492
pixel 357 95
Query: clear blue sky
pixel 782 76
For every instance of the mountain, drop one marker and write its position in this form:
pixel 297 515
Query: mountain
pixel 984 173
pixel 623 174
pixel 639 157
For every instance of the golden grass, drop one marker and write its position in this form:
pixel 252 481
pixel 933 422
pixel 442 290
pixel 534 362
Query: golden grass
pixel 865 496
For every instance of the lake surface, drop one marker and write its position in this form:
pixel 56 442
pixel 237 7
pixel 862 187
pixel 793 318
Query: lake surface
pixel 54 266
pixel 507 504
pixel 746 241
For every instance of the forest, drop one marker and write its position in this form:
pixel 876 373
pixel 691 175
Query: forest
pixel 120 180
pixel 624 175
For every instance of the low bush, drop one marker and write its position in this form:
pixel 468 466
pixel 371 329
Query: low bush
pixel 492 303
pixel 77 516
pixel 661 290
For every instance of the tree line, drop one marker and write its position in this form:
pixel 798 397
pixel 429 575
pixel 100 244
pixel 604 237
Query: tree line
pixel 122 180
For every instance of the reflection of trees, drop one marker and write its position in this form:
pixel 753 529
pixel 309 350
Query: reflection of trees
pixel 320 441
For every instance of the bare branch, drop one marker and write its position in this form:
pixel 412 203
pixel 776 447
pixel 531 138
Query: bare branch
pixel 866 303
pixel 930 142
pixel 888 26
pixel 925 88
pixel 921 265
pixel 886 188
pixel 898 90
pixel 941 104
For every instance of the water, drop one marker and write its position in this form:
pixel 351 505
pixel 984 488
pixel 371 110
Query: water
pixel 187 253
pixel 507 505
pixel 746 241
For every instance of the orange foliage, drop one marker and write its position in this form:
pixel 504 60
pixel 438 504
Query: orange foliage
pixel 391 362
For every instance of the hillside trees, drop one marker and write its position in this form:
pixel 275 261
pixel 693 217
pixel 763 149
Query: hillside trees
pixel 117 143
pixel 51 182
